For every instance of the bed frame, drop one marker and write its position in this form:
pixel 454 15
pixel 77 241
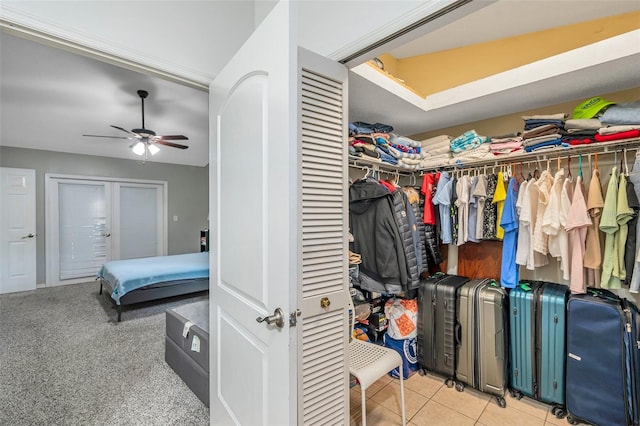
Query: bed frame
pixel 158 291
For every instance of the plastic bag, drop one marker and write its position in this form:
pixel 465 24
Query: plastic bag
pixel 402 315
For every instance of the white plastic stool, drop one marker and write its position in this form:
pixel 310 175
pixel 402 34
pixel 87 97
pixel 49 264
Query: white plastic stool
pixel 368 362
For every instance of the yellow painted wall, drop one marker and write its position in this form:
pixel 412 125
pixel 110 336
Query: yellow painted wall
pixel 434 72
pixel 514 123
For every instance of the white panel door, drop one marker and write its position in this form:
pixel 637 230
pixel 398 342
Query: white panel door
pixel 138 220
pixel 84 229
pixel 17 230
pixel 253 228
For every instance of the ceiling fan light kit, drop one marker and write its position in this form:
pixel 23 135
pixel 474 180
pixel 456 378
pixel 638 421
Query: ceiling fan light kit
pixel 145 141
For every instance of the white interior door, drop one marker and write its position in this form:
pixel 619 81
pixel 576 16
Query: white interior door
pixel 17 230
pixel 138 220
pixel 84 229
pixel 253 229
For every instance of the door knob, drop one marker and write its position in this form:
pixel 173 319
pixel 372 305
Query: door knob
pixel 277 318
pixel 108 234
pixel 27 236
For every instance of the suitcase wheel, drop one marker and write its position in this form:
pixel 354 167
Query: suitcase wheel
pixel 422 371
pixel 459 386
pixel 558 412
pixel 501 401
pixel 449 383
pixel 571 420
pixel 515 394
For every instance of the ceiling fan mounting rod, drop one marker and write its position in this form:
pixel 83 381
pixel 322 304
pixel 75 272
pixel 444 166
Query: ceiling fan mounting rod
pixel 143 94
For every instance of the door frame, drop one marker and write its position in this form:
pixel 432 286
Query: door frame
pixel 52 238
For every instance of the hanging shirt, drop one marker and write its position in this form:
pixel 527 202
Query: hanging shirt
pixel 565 205
pixel 536 259
pixel 540 239
pixel 609 225
pixel 509 274
pixel 428 182
pixel 551 219
pixel 624 214
pixel 577 222
pixel 630 245
pixel 523 207
pixel 481 195
pixel 473 211
pixel 634 177
pixel 498 199
pixel 442 199
pixel 593 253
pixel 453 209
pixel 490 210
pixel 463 189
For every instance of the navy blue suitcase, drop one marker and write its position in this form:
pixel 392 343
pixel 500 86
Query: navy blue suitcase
pixel 603 359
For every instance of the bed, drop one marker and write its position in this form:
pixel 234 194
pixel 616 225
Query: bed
pixel 141 280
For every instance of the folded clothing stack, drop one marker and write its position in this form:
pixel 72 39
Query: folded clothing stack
pixel 467 141
pixel 621 114
pixel 506 144
pixel 360 127
pixel 533 121
pixel 437 151
pixel 480 152
pixel 543 131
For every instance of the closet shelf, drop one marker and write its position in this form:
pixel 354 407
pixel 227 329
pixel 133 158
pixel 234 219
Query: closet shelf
pixel 525 157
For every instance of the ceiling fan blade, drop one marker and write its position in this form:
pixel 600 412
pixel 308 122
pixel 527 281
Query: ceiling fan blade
pixel 125 130
pixel 112 137
pixel 174 145
pixel 174 138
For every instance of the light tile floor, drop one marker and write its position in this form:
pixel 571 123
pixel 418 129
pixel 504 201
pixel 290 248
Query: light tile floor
pixel 428 401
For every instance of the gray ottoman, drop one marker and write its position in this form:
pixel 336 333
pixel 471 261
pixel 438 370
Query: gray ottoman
pixel 189 356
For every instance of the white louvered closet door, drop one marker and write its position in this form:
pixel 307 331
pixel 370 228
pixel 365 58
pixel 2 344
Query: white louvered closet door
pixel 323 208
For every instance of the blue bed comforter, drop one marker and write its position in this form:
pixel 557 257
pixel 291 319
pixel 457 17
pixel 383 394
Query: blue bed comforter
pixel 131 274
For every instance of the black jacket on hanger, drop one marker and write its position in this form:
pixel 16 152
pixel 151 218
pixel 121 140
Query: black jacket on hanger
pixel 376 234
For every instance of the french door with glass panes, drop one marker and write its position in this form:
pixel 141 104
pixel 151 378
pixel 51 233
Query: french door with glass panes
pixel 90 222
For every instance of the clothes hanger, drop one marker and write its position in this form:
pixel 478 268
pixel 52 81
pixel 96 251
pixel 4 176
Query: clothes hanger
pixel 569 167
pixel 522 178
pixel 580 165
pixel 595 159
pixel 626 164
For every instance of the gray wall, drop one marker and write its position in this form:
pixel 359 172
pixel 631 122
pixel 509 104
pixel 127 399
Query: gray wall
pixel 188 190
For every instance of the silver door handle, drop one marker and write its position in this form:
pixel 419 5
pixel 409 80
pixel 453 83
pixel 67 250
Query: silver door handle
pixel 277 318
pixel 108 234
pixel 27 236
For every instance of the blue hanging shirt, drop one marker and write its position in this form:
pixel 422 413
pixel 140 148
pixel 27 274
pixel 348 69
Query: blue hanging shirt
pixel 442 199
pixel 509 273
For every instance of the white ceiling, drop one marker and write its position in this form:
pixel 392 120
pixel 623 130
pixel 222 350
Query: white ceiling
pixel 50 97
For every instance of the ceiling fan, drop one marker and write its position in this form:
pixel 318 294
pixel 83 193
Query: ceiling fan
pixel 144 141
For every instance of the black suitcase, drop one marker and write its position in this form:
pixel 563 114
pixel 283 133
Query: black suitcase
pixel 436 338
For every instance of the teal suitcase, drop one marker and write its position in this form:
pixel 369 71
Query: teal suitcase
pixel 537 324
